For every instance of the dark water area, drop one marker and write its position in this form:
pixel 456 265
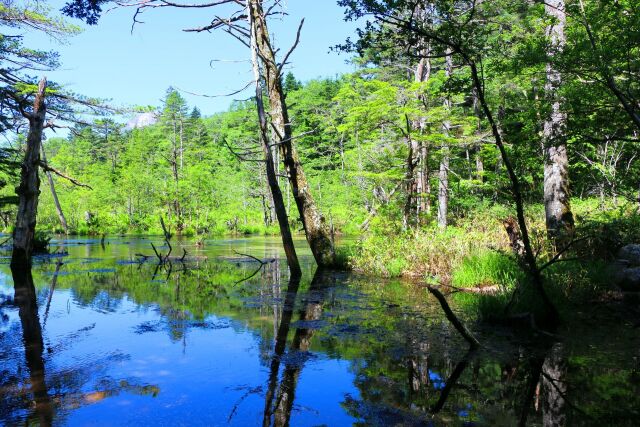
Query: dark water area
pixel 96 338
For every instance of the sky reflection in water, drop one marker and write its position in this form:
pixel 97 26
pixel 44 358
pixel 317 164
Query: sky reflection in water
pixel 129 344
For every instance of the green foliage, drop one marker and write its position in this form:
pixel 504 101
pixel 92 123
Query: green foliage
pixel 488 268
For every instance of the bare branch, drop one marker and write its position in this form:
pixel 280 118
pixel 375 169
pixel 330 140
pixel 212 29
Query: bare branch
pixel 48 168
pixel 295 44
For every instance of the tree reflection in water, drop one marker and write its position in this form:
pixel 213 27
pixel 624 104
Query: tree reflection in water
pixel 278 412
pixel 53 393
pixel 400 362
pixel 25 299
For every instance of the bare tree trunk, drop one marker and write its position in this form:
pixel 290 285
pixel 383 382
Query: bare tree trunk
pixel 423 189
pixel 272 179
pixel 479 165
pixel 558 214
pixel 443 176
pixel 29 189
pixel 410 181
pixel 315 226
pixel 425 183
pixel 478 146
pixel 181 144
pixel 56 202
pixel 443 188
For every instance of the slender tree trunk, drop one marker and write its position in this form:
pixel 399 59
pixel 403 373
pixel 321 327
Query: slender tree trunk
pixel 552 315
pixel 29 189
pixel 443 188
pixel 410 181
pixel 443 176
pixel 423 189
pixel 479 165
pixel 272 179
pixel 559 218
pixel 181 145
pixel 478 146
pixel 56 202
pixel 425 173
pixel 315 226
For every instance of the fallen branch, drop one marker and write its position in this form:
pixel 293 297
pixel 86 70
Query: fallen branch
pixel 253 258
pixel 262 264
pixel 473 342
pixel 48 168
pixel 486 290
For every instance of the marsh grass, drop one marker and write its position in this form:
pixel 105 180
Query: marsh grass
pixel 475 253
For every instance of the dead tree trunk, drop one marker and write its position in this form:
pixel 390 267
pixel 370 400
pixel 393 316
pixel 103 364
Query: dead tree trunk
pixel 559 218
pixel 272 179
pixel 315 226
pixel 56 202
pixel 29 188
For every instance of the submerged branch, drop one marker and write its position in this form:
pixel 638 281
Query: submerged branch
pixel 453 318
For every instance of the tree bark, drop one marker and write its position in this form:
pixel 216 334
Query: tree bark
pixel 443 175
pixel 272 179
pixel 54 194
pixel 315 226
pixel 443 188
pixel 29 189
pixel 559 218
pixel 410 180
pixel 423 188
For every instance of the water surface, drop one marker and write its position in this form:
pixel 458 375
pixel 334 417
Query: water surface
pixel 221 339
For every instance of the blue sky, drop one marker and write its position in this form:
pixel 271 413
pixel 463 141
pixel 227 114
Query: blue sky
pixel 108 61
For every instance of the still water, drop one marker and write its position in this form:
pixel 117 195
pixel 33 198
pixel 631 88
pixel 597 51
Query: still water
pixel 220 339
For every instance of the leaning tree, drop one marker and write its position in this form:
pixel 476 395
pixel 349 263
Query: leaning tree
pixel 247 22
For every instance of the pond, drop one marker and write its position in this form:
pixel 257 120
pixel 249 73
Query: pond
pixel 222 339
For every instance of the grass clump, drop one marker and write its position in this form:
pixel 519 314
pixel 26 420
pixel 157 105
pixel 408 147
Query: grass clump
pixel 428 253
pixel 487 268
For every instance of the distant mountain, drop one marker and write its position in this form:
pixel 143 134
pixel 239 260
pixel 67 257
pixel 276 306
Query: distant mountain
pixel 142 120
